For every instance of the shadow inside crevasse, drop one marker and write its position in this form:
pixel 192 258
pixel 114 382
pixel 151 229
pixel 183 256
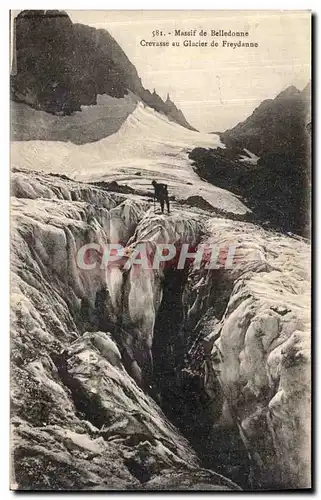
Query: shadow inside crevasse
pixel 181 392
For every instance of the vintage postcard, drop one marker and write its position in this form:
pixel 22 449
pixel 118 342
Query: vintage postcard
pixel 160 250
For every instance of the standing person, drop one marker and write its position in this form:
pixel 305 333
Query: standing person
pixel 161 194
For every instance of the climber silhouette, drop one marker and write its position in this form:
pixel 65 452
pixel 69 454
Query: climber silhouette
pixel 161 194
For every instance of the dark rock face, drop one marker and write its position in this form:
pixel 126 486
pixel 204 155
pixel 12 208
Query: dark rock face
pixel 46 61
pixel 60 66
pixel 277 187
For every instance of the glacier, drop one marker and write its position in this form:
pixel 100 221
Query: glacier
pixel 98 376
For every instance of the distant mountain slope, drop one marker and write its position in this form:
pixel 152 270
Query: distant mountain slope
pixel 276 188
pixel 276 125
pixel 60 66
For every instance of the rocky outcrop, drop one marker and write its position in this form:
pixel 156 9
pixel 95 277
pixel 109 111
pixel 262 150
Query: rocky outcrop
pixel 59 67
pixel 100 356
pixel 167 107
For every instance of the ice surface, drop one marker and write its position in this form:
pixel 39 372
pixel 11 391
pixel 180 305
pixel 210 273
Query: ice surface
pixel 262 351
pixel 80 420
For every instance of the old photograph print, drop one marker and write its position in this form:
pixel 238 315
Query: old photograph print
pixel 160 173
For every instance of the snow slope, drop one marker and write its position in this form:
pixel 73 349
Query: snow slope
pixel 147 146
pixel 90 124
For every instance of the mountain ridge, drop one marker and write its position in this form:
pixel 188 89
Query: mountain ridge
pixel 277 186
pixel 275 125
pixel 60 66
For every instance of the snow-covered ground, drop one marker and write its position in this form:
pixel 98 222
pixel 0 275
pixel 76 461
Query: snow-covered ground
pixel 90 124
pixel 147 146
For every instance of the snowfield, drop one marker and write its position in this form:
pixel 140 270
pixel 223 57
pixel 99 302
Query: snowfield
pixel 147 146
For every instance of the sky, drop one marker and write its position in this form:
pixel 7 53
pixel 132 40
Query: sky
pixel 215 87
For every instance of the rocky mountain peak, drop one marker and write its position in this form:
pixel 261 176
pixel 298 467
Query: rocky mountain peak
pixel 290 91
